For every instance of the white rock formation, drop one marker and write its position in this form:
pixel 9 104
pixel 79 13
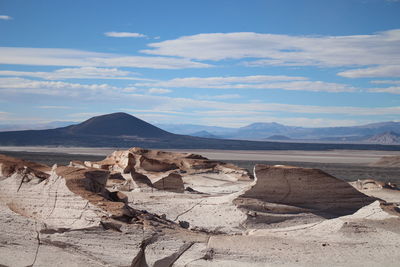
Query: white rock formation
pixel 67 216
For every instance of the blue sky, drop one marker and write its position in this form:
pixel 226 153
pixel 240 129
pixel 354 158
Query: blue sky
pixel 224 63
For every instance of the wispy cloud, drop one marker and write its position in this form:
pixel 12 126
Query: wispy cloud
pixel 232 118
pixel 77 73
pixel 55 88
pixel 390 90
pixel 54 107
pixel 3 113
pixel 253 82
pixel 216 97
pixel 385 81
pixel 5 17
pixel 379 71
pixel 159 91
pixel 184 107
pixel 80 58
pixel 380 49
pixel 83 115
pixel 125 34
pixel 241 121
pixel 153 110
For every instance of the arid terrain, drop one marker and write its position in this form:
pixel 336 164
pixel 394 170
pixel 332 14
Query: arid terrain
pixel 348 165
pixel 141 207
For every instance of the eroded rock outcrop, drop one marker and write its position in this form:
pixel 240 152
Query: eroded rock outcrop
pixel 297 190
pixel 52 201
pixel 370 184
pixel 9 165
pixel 70 197
pixel 144 168
pixel 172 182
pixel 73 218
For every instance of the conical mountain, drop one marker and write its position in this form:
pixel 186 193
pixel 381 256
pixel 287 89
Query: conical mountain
pixel 116 124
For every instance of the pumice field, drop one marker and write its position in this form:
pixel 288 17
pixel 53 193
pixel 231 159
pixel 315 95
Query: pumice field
pixel 142 207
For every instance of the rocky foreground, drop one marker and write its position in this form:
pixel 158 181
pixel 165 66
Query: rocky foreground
pixel 152 208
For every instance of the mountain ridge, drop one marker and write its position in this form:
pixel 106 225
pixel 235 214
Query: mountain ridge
pixel 124 130
pixel 387 138
pixel 260 130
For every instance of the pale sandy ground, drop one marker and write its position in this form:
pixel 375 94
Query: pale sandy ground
pixel 331 156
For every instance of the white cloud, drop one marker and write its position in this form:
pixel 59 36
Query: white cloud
pixel 253 82
pixel 80 58
pixel 125 34
pixel 379 71
pixel 83 115
pixel 385 81
pixel 5 17
pixel 3 113
pixel 232 118
pixel 54 107
pixel 192 106
pixel 381 48
pixel 220 82
pixel 26 86
pixel 390 90
pixel 76 73
pixel 225 96
pixel 154 110
pixel 159 91
pixel 293 121
pixel 179 106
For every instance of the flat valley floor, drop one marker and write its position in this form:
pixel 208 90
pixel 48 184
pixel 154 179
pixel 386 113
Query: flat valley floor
pixel 349 165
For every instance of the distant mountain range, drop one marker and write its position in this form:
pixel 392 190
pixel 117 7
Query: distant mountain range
pixel 264 131
pixel 387 138
pixel 37 126
pixel 124 130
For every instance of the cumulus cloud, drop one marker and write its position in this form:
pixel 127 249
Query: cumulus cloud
pixel 380 49
pixel 252 82
pixel 76 73
pixel 80 58
pixel 125 34
pixel 5 17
